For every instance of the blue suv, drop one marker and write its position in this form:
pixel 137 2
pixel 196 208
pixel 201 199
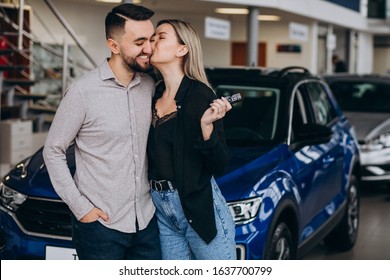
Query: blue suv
pixel 291 183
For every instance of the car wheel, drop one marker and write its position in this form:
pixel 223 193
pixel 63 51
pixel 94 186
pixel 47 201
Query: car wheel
pixel 344 236
pixel 281 246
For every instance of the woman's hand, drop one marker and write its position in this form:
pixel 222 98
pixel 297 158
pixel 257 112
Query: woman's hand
pixel 217 111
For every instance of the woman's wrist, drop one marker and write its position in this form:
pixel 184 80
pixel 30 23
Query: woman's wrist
pixel 207 129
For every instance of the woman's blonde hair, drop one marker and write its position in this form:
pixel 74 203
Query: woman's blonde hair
pixel 193 60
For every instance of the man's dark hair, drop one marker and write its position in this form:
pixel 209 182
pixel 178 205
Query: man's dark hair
pixel 116 19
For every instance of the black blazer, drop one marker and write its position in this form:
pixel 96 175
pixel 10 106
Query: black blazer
pixel 196 160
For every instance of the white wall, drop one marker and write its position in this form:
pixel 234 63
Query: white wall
pixel 365 53
pixel 381 60
pixel 278 33
pixel 274 33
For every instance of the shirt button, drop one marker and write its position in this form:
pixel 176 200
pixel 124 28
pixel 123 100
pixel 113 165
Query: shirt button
pixel 137 178
pixel 190 221
pixel 135 156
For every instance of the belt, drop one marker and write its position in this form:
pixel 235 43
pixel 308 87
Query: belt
pixel 162 185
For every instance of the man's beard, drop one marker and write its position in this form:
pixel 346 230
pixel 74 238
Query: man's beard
pixel 133 65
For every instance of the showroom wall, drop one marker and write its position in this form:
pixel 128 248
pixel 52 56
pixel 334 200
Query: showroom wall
pixel 90 28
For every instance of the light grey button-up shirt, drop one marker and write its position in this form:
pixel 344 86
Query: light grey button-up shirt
pixel 109 125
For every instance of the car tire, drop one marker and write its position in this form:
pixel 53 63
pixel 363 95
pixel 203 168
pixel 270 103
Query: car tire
pixel 344 236
pixel 281 246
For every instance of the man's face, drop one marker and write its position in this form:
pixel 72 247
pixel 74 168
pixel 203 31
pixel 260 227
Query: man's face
pixel 134 44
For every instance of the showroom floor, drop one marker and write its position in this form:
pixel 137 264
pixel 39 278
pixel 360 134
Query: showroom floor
pixel 374 233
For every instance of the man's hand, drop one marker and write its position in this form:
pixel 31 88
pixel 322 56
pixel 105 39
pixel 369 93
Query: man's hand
pixel 94 215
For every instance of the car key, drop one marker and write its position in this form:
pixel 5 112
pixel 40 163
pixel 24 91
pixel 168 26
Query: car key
pixel 234 98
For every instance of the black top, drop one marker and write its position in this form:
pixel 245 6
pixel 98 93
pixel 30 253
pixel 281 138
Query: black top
pixel 340 67
pixel 196 160
pixel 160 146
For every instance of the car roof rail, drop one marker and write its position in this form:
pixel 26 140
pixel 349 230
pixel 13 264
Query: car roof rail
pixel 283 72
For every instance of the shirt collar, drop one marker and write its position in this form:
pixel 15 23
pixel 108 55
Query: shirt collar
pixel 105 71
pixel 183 89
pixel 180 94
pixel 107 74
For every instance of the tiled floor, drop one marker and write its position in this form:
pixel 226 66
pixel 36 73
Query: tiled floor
pixel 374 233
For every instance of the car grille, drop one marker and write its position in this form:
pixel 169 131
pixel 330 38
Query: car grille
pixel 45 217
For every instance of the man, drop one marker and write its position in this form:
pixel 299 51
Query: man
pixel 107 114
pixel 338 64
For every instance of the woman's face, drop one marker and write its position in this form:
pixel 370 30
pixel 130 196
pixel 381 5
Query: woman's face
pixel 165 46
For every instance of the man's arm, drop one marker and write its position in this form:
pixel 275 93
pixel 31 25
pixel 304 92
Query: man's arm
pixel 67 122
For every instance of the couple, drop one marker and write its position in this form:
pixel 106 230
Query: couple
pixel 145 156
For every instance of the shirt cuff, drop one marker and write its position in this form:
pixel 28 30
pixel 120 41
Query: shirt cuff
pixel 81 208
pixel 207 144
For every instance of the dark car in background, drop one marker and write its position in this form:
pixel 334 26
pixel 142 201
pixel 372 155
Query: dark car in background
pixel 365 100
pixel 291 182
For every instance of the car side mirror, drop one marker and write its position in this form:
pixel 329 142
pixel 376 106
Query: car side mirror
pixel 311 134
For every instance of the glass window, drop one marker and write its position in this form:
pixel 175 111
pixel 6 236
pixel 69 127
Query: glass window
pixel 299 116
pixel 360 96
pixel 322 107
pixel 254 119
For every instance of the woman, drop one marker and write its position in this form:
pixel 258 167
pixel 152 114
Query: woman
pixel 186 147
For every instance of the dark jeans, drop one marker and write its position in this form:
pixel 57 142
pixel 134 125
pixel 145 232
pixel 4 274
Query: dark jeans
pixel 94 241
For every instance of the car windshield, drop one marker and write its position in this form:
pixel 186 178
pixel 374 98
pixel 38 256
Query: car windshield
pixel 253 120
pixel 359 96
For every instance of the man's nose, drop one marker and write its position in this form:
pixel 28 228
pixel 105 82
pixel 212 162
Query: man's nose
pixel 147 47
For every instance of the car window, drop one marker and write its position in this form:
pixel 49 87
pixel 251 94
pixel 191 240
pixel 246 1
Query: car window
pixel 299 116
pixel 361 96
pixel 253 120
pixel 323 110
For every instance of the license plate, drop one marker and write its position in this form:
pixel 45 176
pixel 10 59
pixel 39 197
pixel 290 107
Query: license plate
pixel 58 253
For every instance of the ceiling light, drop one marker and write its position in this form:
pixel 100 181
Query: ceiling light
pixel 232 11
pixel 243 11
pixel 109 1
pixel 118 1
pixel 268 18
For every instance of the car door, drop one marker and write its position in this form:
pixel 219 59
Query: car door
pixel 319 165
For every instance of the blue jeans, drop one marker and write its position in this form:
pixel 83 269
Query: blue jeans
pixel 179 241
pixel 94 241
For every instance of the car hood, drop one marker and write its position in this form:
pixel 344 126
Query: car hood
pixel 37 182
pixel 247 166
pixel 369 125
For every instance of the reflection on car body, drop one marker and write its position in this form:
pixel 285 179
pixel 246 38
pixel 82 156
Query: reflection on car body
pixel 291 181
pixel 365 100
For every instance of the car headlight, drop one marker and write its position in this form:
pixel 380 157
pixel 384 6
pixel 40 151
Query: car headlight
pixel 10 198
pixel 378 143
pixel 245 211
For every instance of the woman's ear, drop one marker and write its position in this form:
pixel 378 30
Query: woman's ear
pixel 182 51
pixel 113 45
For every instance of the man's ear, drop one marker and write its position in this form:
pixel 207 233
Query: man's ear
pixel 182 51
pixel 113 45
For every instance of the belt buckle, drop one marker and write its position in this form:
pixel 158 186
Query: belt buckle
pixel 157 185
